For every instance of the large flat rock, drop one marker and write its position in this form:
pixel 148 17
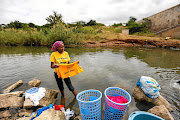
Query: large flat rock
pixel 50 97
pixel 24 112
pixel 4 114
pixel 51 114
pixel 11 101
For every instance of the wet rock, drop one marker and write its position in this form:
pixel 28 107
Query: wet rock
pixel 6 119
pixel 14 111
pixel 10 101
pixel 12 87
pixel 176 85
pixel 78 117
pixel 161 111
pixel 4 114
pixel 24 112
pixel 51 114
pixel 139 95
pixel 50 97
pixel 45 101
pixel 14 117
pixel 162 101
pixel 24 118
pixel 34 83
pixel 16 93
pixel 28 103
pixel 125 117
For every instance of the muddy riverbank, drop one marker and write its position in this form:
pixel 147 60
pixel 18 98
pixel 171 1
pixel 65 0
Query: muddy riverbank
pixel 130 42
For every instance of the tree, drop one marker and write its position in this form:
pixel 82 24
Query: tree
pixel 133 26
pixel 91 23
pixel 46 26
pixel 55 18
pixel 16 24
pixel 116 25
pixel 80 23
pixel 10 25
pixel 0 27
pixel 131 21
pixel 31 25
pixel 146 22
pixel 138 27
pixel 100 24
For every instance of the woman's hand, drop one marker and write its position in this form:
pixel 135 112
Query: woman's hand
pixel 53 65
pixel 56 65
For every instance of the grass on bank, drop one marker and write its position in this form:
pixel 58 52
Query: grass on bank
pixel 70 36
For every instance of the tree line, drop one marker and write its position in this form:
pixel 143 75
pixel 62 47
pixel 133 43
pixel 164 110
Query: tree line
pixel 51 20
pixel 56 18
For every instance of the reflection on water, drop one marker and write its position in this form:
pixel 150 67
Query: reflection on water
pixel 103 67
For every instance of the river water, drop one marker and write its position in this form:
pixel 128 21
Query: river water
pixel 103 67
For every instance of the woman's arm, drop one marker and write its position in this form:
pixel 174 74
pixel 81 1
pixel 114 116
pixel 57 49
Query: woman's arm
pixel 53 65
pixel 72 62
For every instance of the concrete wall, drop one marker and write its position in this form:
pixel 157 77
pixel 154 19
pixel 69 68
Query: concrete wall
pixel 164 20
pixel 174 32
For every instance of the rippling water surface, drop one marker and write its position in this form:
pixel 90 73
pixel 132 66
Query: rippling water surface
pixel 103 67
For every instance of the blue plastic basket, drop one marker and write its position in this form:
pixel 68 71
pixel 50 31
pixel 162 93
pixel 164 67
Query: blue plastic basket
pixel 141 115
pixel 90 104
pixel 115 110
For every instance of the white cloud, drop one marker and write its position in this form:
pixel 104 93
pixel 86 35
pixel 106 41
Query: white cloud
pixel 103 11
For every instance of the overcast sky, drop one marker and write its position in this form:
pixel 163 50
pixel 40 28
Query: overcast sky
pixel 107 12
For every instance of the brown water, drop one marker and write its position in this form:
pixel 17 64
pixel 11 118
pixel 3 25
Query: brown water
pixel 103 67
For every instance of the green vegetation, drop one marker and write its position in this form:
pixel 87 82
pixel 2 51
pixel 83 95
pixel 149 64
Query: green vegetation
pixel 33 37
pixel 147 33
pixel 17 33
pixel 138 27
pixel 116 25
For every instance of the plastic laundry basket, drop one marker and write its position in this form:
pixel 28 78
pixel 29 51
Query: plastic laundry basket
pixel 90 104
pixel 142 115
pixel 113 110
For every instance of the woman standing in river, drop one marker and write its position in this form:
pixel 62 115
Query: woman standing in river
pixel 60 57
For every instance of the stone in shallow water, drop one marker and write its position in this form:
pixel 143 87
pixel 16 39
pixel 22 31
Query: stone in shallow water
pixel 140 95
pixel 161 111
pixel 12 87
pixel 34 83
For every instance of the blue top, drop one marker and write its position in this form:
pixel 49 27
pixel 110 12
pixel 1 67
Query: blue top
pixel 32 90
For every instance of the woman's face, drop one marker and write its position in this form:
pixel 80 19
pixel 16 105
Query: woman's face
pixel 61 48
